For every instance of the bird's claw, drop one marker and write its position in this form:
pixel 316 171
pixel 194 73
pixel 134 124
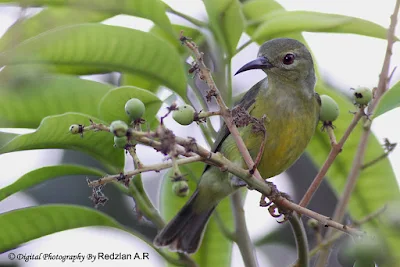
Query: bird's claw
pixel 275 210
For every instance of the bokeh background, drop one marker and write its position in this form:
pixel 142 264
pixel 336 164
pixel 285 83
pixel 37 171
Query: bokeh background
pixel 345 61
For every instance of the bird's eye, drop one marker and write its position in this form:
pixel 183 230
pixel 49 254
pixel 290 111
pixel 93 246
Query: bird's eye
pixel 288 59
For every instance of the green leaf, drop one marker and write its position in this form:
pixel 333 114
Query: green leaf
pixel 154 10
pixel 215 249
pixel 47 19
pixel 151 85
pixel 255 10
pixel 29 95
pixel 41 175
pixel 105 47
pixel 227 22
pixel 23 225
pixel 390 100
pixel 138 81
pixel 279 23
pixel 192 33
pixel 6 137
pixel 376 185
pixel 53 133
pixel 112 106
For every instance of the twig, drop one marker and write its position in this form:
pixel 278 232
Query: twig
pixel 337 235
pixel 384 75
pixel 136 161
pixel 374 161
pixel 301 241
pixel 206 76
pixel 264 188
pixel 335 150
pixel 155 167
pixel 357 163
pixel 186 146
pixel 202 115
pixel 151 213
pixel 242 237
pixel 332 136
pixel 389 147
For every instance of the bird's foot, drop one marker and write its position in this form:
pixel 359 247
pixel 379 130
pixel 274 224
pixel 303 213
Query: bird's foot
pixel 275 210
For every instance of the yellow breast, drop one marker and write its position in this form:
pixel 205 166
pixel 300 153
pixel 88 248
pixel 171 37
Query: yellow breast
pixel 290 127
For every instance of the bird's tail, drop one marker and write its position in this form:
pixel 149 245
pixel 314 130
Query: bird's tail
pixel 184 232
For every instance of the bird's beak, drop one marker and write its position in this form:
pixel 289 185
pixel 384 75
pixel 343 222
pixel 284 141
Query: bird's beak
pixel 259 63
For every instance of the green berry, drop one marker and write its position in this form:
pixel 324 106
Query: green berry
pixel 76 128
pixel 180 188
pixel 329 109
pixel 184 115
pixel 120 142
pixel 118 128
pixel 362 95
pixel 134 108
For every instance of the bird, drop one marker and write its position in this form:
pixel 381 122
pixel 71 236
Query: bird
pixel 287 101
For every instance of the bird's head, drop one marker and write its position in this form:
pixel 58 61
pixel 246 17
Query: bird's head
pixel 285 58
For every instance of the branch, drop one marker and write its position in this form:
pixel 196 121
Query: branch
pixel 337 235
pixel 261 186
pixel 357 163
pixel 195 152
pixel 206 76
pixel 156 167
pixel 335 150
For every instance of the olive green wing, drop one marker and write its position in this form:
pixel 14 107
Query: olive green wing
pixel 246 102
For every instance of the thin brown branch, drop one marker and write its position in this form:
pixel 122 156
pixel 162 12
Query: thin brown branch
pixel 205 75
pixel 389 147
pixel 360 153
pixel 261 186
pixel 332 136
pixel 335 150
pixel 156 167
pixel 337 235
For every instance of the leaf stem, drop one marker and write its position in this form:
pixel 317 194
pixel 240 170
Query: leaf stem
pixel 301 240
pixel 221 225
pixel 242 237
pixel 229 79
pixel 243 46
pixel 194 21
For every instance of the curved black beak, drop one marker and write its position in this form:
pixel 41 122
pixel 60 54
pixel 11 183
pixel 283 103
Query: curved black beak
pixel 259 63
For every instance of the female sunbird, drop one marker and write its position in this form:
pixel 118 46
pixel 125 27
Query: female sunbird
pixel 288 100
